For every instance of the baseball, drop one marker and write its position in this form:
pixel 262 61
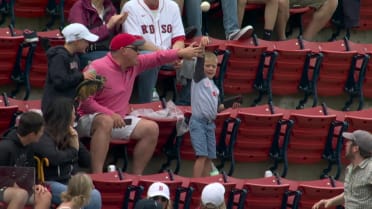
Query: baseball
pixel 205 6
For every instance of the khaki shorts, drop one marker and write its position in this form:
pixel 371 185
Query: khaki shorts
pixel 306 3
pixel 85 124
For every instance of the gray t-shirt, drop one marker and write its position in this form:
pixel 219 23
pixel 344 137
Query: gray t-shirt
pixel 204 94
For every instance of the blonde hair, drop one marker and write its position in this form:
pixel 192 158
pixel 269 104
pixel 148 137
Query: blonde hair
pixel 211 206
pixel 78 190
pixel 208 55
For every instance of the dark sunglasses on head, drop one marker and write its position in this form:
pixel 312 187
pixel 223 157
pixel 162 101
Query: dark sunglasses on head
pixel 161 198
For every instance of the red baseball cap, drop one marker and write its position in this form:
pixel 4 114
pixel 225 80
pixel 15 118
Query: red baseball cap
pixel 125 39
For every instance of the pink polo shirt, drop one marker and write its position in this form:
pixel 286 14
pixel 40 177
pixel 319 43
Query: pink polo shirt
pixel 114 98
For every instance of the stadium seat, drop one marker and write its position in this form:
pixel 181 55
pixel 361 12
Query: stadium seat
pixel 23 105
pixel 266 193
pixel 311 139
pixel 313 191
pixel 230 189
pixel 244 68
pixel 366 50
pixel 337 71
pixel 180 196
pixel 259 134
pixel 291 71
pixel 39 9
pixel 116 193
pixel 7 118
pixel 8 52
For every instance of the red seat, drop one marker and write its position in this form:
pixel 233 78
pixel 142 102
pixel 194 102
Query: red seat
pixel 258 131
pixel 29 9
pixel 263 195
pixel 179 195
pixel 23 105
pixel 312 137
pixel 336 73
pixel 364 49
pixel 7 117
pixel 242 68
pixel 313 191
pixel 292 72
pixel 199 183
pixel 113 190
pixel 8 53
pixel 39 67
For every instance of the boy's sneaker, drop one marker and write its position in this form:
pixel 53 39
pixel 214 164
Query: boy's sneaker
pixel 241 34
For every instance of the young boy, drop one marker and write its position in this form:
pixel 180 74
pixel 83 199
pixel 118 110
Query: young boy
pixel 64 69
pixel 204 103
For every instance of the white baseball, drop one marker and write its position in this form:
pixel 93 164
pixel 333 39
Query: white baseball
pixel 205 6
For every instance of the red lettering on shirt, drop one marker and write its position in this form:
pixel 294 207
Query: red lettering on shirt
pixel 152 29
pixel 144 29
pixel 166 28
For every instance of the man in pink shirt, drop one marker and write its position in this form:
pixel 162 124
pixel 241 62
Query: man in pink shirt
pixel 102 115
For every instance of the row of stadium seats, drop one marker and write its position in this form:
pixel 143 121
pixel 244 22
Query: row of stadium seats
pixel 264 133
pixel 122 190
pixel 271 68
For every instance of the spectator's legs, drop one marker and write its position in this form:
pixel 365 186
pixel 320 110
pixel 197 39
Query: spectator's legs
pixel 230 19
pixel 146 133
pixel 271 12
pixel 99 145
pixel 202 166
pixel 241 11
pixel 320 19
pixel 194 15
pixel 282 19
pixel 146 82
pixel 15 197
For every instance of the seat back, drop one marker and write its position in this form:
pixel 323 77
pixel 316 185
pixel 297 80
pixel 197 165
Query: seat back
pixel 7 118
pixel 314 191
pixel 242 67
pixel 199 183
pixel 112 189
pixel 255 135
pixel 39 67
pixel 308 137
pixel 265 196
pixel 8 53
pixel 359 121
pixel 289 67
pixel 147 180
pixel 367 50
pixel 28 9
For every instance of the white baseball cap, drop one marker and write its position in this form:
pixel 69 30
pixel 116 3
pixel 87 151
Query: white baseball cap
pixel 213 194
pixel 77 31
pixel 158 189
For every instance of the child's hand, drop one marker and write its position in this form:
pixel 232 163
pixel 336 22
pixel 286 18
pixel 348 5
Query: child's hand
pixel 221 108
pixel 236 105
pixel 204 41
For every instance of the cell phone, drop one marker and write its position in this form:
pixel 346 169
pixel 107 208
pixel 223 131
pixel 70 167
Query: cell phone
pixel 128 121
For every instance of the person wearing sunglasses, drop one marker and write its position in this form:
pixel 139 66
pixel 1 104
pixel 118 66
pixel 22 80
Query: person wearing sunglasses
pixel 159 192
